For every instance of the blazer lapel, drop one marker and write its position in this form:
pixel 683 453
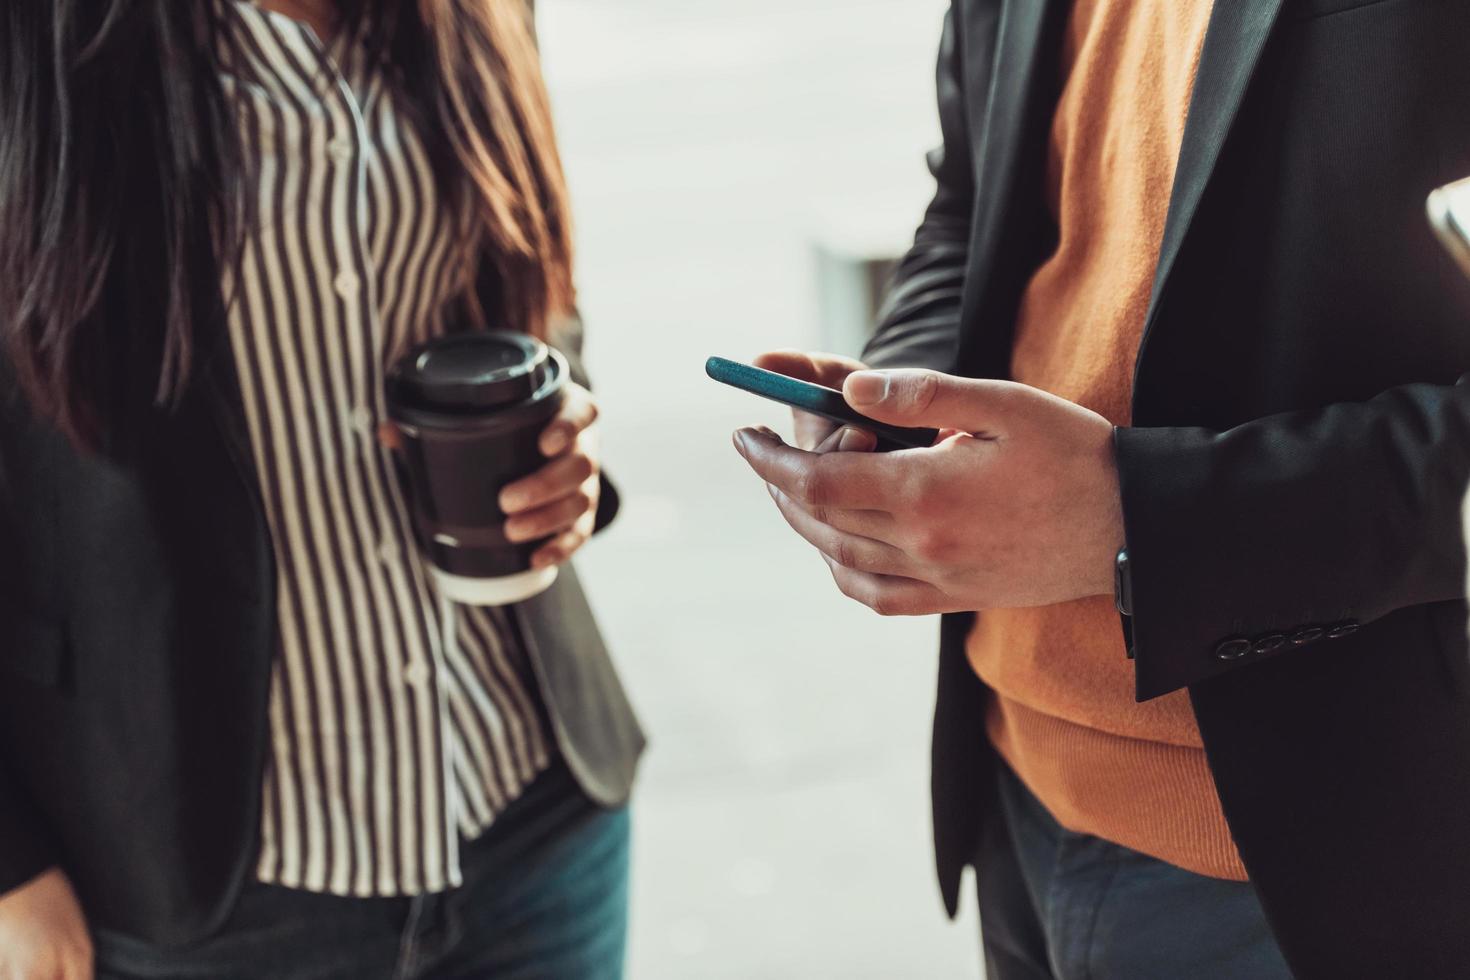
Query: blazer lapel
pixel 1023 70
pixel 215 390
pixel 1236 37
pixel 1009 128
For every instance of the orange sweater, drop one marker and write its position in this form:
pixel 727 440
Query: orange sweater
pixel 1064 715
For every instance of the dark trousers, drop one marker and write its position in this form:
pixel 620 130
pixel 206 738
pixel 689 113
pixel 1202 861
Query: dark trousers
pixel 1055 905
pixel 545 897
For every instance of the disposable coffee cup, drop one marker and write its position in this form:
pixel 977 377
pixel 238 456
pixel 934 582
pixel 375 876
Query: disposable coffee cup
pixel 471 409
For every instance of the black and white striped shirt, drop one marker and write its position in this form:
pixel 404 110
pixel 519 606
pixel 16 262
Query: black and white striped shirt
pixel 398 725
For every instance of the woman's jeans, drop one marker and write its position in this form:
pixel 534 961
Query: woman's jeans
pixel 1056 905
pixel 545 896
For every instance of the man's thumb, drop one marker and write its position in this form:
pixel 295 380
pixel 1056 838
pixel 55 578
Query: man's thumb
pixel 920 398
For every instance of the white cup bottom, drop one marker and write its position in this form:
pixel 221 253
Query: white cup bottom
pixel 501 591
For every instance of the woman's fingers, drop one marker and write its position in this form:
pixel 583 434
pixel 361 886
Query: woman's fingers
pixel 578 411
pixel 560 499
pixel 552 481
pixel 563 546
pixel 390 437
pixel 551 518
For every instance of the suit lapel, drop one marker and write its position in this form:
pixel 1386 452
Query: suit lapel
pixel 1011 100
pixel 1018 71
pixel 1236 37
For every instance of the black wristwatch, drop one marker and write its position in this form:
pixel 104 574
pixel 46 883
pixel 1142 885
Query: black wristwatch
pixel 1123 584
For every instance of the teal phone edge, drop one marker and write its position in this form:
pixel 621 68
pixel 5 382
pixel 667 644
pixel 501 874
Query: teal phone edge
pixel 816 399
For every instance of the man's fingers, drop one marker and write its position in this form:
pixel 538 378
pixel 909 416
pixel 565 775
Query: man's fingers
pixel 61 962
pixel 578 411
pixel 847 439
pixel 876 524
pixel 915 398
pixel 827 370
pixel 811 431
pixel 79 965
pixel 822 436
pixel 792 363
pixel 858 481
pixel 890 595
pixel 818 368
pixel 850 550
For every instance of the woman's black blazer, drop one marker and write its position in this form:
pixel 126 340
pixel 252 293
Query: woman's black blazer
pixel 137 628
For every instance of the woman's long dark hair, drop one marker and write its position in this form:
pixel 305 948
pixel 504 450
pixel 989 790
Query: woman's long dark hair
pixel 121 181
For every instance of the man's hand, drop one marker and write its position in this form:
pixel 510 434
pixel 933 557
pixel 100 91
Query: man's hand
pixel 43 935
pixel 560 498
pixel 1016 505
pixel 828 370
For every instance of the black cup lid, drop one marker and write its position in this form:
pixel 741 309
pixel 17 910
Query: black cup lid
pixel 469 371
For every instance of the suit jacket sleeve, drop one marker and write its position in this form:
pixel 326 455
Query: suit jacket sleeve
pixel 919 325
pixel 24 850
pixel 1310 520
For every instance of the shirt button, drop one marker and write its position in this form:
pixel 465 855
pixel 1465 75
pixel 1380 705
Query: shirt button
pixel 362 420
pixel 346 284
pixel 388 552
pixel 341 149
pixel 416 673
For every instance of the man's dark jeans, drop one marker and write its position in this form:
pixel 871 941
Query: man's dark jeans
pixel 1055 905
pixel 545 895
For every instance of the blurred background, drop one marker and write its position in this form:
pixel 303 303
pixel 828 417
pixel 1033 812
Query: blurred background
pixel 739 171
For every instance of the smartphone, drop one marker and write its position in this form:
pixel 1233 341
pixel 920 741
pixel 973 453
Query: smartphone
pixel 1449 213
pixel 816 399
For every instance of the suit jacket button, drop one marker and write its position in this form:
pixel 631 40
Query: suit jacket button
pixel 1269 643
pixel 1233 648
pixel 1343 629
pixel 1307 634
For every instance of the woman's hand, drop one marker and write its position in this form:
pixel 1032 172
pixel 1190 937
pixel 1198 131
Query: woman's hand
pixel 560 499
pixel 43 934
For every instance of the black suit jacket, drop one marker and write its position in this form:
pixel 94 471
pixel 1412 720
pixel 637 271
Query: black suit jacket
pixel 1300 447
pixel 137 629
